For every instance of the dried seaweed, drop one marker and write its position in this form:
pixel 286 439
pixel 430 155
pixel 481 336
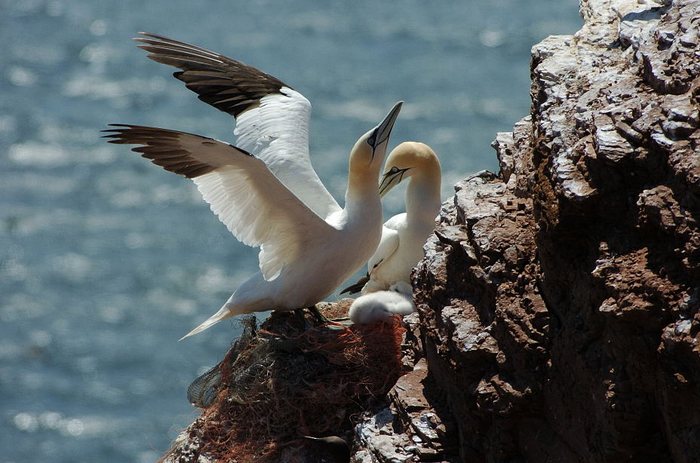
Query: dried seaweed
pixel 289 380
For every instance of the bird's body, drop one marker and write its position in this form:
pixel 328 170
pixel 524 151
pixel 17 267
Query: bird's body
pixel 380 305
pixel 403 235
pixel 395 267
pixel 314 274
pixel 272 198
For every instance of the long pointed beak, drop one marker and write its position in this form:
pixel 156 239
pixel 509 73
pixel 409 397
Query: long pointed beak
pixel 390 180
pixel 383 130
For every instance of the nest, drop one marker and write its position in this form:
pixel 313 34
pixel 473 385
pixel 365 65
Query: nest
pixel 288 380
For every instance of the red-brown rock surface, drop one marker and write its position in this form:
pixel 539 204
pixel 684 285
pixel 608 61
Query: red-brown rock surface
pixel 559 301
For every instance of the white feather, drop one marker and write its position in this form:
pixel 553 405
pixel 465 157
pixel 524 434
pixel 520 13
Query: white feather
pixel 387 246
pixel 380 305
pixel 277 131
pixel 260 211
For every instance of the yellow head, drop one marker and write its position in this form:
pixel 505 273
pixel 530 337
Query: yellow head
pixel 407 160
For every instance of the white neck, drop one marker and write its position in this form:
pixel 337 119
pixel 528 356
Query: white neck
pixel 423 197
pixel 362 197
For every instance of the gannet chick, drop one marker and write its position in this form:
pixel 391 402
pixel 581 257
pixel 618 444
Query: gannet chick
pixel 380 305
pixel 403 235
pixel 265 190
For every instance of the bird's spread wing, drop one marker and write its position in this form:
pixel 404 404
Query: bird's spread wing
pixel 272 120
pixel 387 246
pixel 241 190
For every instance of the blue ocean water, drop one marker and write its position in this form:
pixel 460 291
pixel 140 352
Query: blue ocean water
pixel 106 260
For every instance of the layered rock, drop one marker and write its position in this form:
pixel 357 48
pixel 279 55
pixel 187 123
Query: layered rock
pixel 559 301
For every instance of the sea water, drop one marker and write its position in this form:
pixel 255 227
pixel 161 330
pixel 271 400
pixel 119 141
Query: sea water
pixel 106 260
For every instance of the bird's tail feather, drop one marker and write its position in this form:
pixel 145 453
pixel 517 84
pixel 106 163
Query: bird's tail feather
pixel 222 314
pixel 357 287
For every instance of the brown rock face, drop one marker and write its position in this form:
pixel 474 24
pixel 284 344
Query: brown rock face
pixel 559 301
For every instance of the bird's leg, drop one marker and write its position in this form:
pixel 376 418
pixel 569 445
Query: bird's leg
pixel 318 315
pixel 301 316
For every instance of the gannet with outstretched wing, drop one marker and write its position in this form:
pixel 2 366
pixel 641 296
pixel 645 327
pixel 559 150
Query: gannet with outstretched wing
pixel 265 190
pixel 403 235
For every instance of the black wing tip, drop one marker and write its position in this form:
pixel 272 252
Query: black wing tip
pixel 356 287
pixel 138 135
pixel 117 127
pixel 146 37
pixel 114 133
pixel 352 289
pixel 185 57
pixel 125 134
pixel 152 39
pixel 142 34
pixel 114 130
pixel 145 128
pixel 149 143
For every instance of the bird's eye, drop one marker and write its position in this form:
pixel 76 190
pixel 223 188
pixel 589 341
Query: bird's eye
pixel 370 140
pixel 394 170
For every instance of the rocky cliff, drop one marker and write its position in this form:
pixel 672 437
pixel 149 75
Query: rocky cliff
pixel 559 300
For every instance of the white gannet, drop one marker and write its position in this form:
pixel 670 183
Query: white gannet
pixel 265 190
pixel 403 235
pixel 381 305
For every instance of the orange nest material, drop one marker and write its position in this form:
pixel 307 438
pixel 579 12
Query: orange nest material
pixel 288 381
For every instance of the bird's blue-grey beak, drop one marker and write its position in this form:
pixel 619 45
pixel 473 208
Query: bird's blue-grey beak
pixel 382 132
pixel 390 179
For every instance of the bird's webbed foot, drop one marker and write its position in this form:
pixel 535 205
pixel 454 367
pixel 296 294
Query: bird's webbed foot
pixel 320 318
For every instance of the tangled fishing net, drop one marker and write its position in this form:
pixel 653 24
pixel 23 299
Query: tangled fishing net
pixel 287 380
